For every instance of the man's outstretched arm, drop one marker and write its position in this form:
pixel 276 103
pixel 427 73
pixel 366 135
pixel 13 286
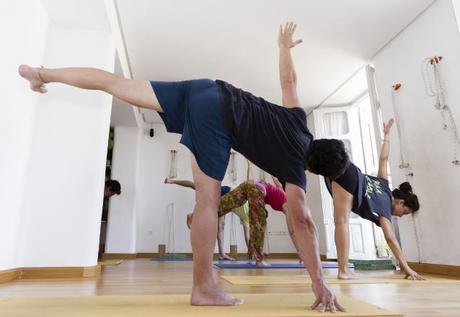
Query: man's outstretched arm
pixel 288 77
pixel 306 237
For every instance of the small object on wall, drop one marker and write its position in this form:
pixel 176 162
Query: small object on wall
pixel 435 87
pixel 396 86
pixel 161 250
pixel 403 163
pixel 233 169
pixel 233 251
pixel 151 131
pixel 173 164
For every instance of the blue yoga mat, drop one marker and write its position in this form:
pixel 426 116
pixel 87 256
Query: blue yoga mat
pixel 171 259
pixel 252 265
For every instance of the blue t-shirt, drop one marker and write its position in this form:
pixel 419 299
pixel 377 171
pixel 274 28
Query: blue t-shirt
pixel 377 199
pixel 274 138
pixel 372 196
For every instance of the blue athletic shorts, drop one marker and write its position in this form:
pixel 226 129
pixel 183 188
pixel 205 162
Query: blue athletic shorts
pixel 194 109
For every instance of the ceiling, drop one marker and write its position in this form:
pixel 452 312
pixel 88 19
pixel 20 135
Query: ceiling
pixel 237 41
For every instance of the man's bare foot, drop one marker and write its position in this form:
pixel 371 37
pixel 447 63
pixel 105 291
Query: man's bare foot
pixel 213 297
pixel 346 275
pixel 224 257
pixel 33 76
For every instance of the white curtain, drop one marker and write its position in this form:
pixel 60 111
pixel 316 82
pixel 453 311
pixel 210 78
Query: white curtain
pixel 335 123
pixel 336 126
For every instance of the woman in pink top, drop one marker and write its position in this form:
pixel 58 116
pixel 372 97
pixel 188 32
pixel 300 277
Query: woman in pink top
pixel 275 196
pixel 257 195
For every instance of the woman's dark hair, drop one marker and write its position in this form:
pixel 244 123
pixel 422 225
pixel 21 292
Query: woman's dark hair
pixel 114 186
pixel 405 193
pixel 328 158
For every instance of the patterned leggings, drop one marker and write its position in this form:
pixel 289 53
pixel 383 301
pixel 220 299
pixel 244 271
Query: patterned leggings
pixel 248 191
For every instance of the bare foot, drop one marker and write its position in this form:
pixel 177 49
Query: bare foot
pixel 346 275
pixel 213 297
pixel 262 263
pixel 224 257
pixel 33 76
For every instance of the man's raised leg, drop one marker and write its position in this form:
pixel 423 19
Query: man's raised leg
pixel 136 92
pixel 204 230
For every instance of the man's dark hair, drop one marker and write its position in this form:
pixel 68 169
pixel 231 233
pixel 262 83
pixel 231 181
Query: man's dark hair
pixel 328 158
pixel 114 186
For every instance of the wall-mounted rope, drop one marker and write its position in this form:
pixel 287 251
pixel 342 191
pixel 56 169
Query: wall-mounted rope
pixel 435 87
pixel 233 170
pixel 395 90
pixel 173 164
pixel 232 229
pixel 410 178
pixel 262 175
pixel 170 234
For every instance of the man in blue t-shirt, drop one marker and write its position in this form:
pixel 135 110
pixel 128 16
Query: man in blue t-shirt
pixel 212 117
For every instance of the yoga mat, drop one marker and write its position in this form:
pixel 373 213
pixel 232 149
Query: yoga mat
pixel 304 279
pixel 172 257
pixel 256 305
pixel 170 260
pixel 252 265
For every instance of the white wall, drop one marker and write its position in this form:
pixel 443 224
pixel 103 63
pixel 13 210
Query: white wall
pixel 55 144
pixel 428 147
pixel 67 159
pixel 24 45
pixel 121 231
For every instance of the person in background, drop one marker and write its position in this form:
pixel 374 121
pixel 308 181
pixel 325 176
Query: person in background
pixel 242 212
pixel 257 195
pixel 112 187
pixel 371 198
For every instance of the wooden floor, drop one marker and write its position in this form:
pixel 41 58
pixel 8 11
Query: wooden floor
pixel 142 276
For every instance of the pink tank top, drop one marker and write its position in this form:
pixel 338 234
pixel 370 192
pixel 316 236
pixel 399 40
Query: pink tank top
pixel 274 196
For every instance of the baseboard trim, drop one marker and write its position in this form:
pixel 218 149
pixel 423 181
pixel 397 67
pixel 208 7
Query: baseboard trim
pixel 119 256
pixel 9 275
pixel 151 255
pixel 50 273
pixel 450 270
pixel 60 272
